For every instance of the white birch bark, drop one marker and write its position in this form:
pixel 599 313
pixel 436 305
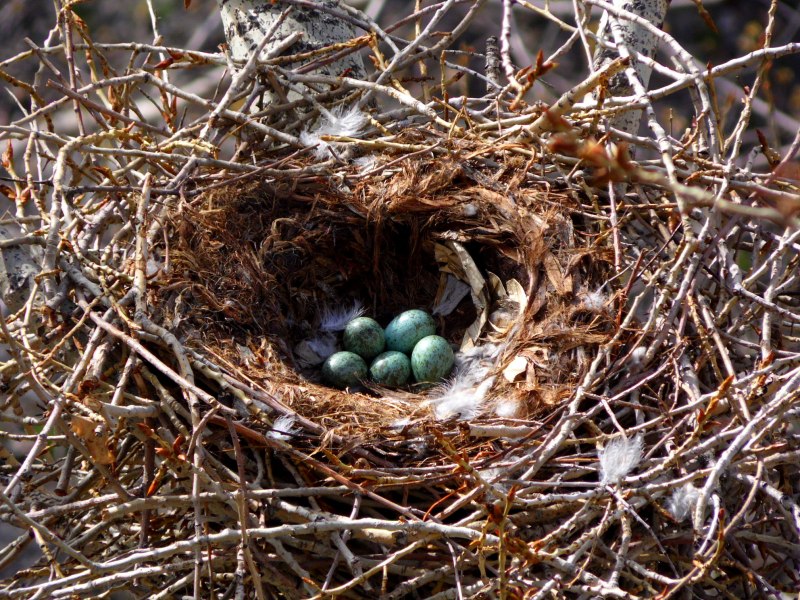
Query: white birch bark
pixel 18 267
pixel 248 22
pixel 638 40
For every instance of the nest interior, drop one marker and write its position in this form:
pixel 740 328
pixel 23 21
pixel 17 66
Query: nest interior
pixel 252 267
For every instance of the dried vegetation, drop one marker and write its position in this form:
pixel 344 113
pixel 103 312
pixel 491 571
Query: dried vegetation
pixel 635 422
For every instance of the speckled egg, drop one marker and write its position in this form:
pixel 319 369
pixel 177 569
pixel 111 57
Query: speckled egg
pixel 407 328
pixel 364 336
pixel 344 369
pixel 431 359
pixel 391 368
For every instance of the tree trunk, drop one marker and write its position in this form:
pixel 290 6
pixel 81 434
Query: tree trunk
pixel 18 267
pixel 637 39
pixel 248 22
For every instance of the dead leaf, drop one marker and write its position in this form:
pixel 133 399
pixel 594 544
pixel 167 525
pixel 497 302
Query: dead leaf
pixel 516 294
pixel 539 299
pixel 450 294
pixel 498 289
pixel 558 279
pixel 453 258
pixel 8 156
pixel 508 304
pixel 95 435
pixel 516 369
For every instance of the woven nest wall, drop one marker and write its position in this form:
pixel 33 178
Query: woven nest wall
pixel 632 428
pixel 253 268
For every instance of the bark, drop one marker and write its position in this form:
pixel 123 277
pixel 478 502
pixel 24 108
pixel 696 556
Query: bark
pixel 638 40
pixel 248 22
pixel 18 267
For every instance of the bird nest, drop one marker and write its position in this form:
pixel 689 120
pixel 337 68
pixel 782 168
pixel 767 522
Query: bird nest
pixel 254 269
pixel 624 424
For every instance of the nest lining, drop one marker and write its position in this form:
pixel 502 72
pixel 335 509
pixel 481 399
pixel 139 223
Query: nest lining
pixel 253 267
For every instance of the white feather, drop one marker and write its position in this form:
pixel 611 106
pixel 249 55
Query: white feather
pixel 461 399
pixel 340 122
pixel 464 405
pixel 283 428
pixel 366 163
pixel 484 387
pixel 508 409
pixel 345 122
pixel 312 352
pixel 594 301
pixel 491 474
pixel 337 318
pixel 637 357
pixel 399 424
pixel 484 353
pixel 458 382
pixel 683 500
pixel 474 364
pixel 620 457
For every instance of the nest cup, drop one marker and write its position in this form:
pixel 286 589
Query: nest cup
pixel 254 267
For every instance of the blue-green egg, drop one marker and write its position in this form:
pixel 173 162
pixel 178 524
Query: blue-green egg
pixel 408 328
pixel 344 369
pixel 432 359
pixel 391 368
pixel 364 336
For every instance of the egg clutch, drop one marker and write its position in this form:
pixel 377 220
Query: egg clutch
pixel 407 347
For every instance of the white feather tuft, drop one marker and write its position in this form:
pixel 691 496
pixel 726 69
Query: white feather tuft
pixel 399 424
pixel 345 122
pixel 283 428
pixel 469 210
pixel 336 319
pixel 637 357
pixel 683 500
pixel 461 399
pixel 475 363
pixel 594 301
pixel 366 163
pixel 620 457
pixel 314 351
pixel 460 380
pixel 491 474
pixel 508 408
pixel 340 122
pixel 464 405
pixel 484 387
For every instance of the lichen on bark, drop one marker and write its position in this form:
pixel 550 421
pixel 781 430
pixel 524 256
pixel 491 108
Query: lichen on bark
pixel 638 40
pixel 247 22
